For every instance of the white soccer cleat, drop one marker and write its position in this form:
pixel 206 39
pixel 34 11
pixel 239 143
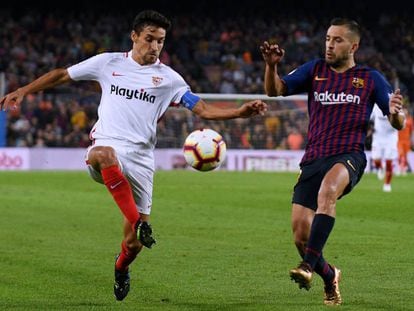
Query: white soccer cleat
pixel 386 188
pixel 380 174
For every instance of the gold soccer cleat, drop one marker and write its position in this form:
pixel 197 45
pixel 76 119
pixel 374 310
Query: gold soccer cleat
pixel 302 275
pixel 332 294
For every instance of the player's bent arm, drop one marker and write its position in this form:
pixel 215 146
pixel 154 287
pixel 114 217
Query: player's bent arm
pixel 273 85
pixel 396 116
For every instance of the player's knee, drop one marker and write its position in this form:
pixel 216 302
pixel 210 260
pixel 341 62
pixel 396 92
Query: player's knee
pixel 327 196
pixel 328 191
pixel 101 157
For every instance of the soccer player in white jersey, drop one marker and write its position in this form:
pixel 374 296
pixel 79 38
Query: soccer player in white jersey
pixel 137 89
pixel 384 147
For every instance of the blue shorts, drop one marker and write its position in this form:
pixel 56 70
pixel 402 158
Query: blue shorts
pixel 312 173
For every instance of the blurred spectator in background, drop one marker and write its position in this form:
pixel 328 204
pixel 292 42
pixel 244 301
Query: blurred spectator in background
pixel 295 139
pixel 405 143
pixel 217 54
pixel 384 147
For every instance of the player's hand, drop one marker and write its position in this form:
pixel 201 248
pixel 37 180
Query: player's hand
pixel 253 108
pixel 396 102
pixel 11 101
pixel 272 53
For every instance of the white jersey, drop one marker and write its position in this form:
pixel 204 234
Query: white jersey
pixel 383 131
pixel 134 97
pixel 384 137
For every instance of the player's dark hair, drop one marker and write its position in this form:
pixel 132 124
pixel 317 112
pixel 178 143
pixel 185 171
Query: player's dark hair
pixel 352 25
pixel 150 18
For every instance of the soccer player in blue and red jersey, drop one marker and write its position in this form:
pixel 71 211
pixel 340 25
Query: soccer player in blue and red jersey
pixel 341 96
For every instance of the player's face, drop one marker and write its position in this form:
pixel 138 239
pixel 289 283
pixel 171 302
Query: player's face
pixel 340 47
pixel 147 45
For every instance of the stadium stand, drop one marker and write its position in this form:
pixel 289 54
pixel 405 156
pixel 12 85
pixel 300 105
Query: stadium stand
pixel 214 52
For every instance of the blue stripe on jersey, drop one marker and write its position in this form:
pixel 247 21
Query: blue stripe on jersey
pixel 339 105
pixel 189 100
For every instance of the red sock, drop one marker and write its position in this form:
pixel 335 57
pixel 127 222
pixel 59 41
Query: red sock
pixel 388 171
pixel 378 164
pixel 125 258
pixel 121 191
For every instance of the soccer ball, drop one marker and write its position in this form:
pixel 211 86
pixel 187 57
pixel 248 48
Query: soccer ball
pixel 204 150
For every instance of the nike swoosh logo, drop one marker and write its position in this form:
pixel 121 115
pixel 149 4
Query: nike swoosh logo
pixel 115 185
pixel 350 164
pixel 115 74
pixel 320 79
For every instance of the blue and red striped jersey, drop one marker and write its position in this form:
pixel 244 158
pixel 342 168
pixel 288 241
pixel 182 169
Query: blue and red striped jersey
pixel 339 105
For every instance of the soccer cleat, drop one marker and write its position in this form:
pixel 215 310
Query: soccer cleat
pixel 144 233
pixel 332 294
pixel 380 174
pixel 386 188
pixel 121 284
pixel 302 275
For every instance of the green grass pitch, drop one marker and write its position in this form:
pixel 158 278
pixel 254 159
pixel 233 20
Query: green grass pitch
pixel 223 243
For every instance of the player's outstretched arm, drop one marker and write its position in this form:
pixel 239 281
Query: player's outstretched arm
pixel 46 81
pixel 397 116
pixel 211 112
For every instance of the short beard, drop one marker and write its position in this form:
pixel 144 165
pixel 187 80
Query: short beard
pixel 148 60
pixel 337 63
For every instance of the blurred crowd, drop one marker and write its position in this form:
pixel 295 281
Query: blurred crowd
pixel 215 53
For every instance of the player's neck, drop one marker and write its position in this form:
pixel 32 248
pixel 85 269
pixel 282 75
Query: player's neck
pixel 137 58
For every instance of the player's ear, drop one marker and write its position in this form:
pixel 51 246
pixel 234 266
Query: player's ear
pixel 354 48
pixel 134 36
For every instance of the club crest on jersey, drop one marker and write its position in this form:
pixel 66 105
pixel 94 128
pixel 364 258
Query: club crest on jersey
pixel 156 81
pixel 358 83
